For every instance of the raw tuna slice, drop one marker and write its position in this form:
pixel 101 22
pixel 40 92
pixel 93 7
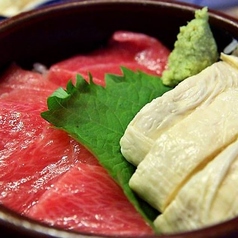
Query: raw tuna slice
pixel 25 86
pixel 46 174
pixel 132 50
pixel 32 155
pixel 35 159
pixel 88 200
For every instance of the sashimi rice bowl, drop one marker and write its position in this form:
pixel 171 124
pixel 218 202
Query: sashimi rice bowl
pixel 119 119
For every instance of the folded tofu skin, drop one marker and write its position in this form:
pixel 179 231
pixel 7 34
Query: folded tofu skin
pixel 175 105
pixel 185 147
pixel 194 50
pixel 216 185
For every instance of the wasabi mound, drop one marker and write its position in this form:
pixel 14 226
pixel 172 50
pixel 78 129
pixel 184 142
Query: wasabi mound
pixel 194 50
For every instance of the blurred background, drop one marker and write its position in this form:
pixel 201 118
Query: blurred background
pixel 10 8
pixel 227 6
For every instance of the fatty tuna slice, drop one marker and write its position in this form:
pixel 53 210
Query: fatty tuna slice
pixel 86 199
pixel 132 50
pixel 37 161
pixel 32 155
pixel 24 86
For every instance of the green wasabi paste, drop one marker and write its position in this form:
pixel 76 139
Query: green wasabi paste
pixel 194 50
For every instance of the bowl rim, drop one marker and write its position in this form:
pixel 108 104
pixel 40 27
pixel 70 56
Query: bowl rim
pixel 49 8
pixel 25 224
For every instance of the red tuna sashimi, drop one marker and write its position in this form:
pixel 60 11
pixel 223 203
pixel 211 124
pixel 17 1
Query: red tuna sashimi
pixel 36 158
pixel 88 200
pixel 33 155
pixel 133 50
pixel 34 87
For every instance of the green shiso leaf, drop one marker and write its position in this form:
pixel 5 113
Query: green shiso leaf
pixel 97 117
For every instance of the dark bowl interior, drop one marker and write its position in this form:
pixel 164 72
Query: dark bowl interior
pixel 56 32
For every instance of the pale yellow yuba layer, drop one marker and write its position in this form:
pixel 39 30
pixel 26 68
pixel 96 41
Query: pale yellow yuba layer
pixel 191 163
pixel 180 150
pixel 209 197
pixel 164 112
